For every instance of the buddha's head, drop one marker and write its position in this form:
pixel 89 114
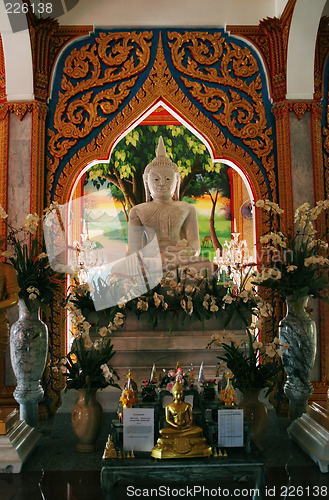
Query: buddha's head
pixel 178 391
pixel 161 177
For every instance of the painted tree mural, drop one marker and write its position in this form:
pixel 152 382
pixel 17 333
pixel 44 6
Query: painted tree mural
pixel 211 183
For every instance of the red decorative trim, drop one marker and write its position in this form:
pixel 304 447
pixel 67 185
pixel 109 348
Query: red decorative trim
pixel 299 107
pixel 3 95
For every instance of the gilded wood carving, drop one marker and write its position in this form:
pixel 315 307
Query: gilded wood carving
pixel 4 138
pixel 85 105
pixel 3 95
pixel 80 102
pixel 235 97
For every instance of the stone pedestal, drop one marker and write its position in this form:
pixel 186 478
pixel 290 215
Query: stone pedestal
pixel 138 346
pixel 8 418
pixel 320 413
pixel 16 446
pixel 313 438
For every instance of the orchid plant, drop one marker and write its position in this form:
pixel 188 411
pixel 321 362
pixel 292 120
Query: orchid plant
pixel 36 279
pixel 252 364
pixel 87 364
pixel 298 262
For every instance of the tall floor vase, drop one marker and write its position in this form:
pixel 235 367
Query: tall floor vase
pixel 87 421
pixel 256 413
pixel 28 354
pixel 299 331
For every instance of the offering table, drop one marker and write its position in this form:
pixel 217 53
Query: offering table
pixel 193 471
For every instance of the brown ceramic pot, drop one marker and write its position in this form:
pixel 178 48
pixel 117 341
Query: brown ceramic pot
pixel 255 413
pixel 86 421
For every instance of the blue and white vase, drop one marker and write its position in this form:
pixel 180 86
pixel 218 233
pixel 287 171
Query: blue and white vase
pixel 28 354
pixel 299 331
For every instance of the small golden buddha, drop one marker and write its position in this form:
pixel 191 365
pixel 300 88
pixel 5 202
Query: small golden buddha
pixel 129 395
pixel 180 439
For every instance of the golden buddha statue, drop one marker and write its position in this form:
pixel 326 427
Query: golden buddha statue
pixel 8 298
pixel 180 439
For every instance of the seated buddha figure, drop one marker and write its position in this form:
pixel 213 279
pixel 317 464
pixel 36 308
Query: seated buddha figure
pixel 174 222
pixel 180 439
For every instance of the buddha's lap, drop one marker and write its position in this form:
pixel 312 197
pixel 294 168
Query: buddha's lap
pixel 173 432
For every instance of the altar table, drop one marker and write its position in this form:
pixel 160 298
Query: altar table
pixel 237 464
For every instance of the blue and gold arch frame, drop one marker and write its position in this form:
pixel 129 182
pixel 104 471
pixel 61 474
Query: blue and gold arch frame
pixel 104 83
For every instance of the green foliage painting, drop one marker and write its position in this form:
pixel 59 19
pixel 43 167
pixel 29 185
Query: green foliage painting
pixel 204 183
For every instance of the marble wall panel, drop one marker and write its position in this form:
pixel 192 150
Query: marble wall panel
pixel 19 177
pixel 303 191
pixel 19 168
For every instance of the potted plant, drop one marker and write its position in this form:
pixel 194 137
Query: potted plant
pixel 87 368
pixel 253 366
pixel 297 269
pixel 149 390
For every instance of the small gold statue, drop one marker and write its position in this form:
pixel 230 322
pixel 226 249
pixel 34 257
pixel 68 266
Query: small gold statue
pixel 129 395
pixel 180 439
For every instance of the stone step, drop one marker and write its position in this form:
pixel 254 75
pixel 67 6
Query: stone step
pixel 138 352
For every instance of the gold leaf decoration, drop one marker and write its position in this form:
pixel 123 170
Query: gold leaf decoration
pixel 76 115
pixel 245 119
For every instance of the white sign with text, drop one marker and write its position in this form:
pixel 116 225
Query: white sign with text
pixel 138 429
pixel 230 428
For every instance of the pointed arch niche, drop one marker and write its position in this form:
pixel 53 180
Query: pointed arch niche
pixel 116 101
pixel 231 209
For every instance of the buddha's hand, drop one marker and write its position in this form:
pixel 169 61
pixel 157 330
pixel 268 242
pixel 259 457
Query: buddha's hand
pixel 182 244
pixel 184 249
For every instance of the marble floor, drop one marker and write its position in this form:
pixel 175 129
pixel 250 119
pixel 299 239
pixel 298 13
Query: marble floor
pixel 55 471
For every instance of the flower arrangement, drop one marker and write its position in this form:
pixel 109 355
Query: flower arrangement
pixel 251 364
pixel 208 384
pixel 227 395
pixel 87 365
pixel 36 279
pixel 298 266
pixel 149 385
pixel 128 398
pixel 170 378
pixel 209 388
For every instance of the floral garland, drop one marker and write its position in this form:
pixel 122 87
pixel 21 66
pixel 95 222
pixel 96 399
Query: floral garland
pixel 199 298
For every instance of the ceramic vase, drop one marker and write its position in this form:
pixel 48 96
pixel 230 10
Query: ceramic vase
pixel 209 393
pixel 87 421
pixel 28 354
pixel 299 331
pixel 149 396
pixel 255 412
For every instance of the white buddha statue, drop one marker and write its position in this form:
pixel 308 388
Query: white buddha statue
pixel 173 222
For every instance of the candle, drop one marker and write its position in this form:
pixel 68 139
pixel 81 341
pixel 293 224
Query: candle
pixel 234 225
pixel 201 374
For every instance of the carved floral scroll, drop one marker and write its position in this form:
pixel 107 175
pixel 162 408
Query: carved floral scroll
pixel 112 63
pixel 233 91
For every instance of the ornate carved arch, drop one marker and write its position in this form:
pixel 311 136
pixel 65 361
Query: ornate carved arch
pixel 159 85
pixel 217 88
